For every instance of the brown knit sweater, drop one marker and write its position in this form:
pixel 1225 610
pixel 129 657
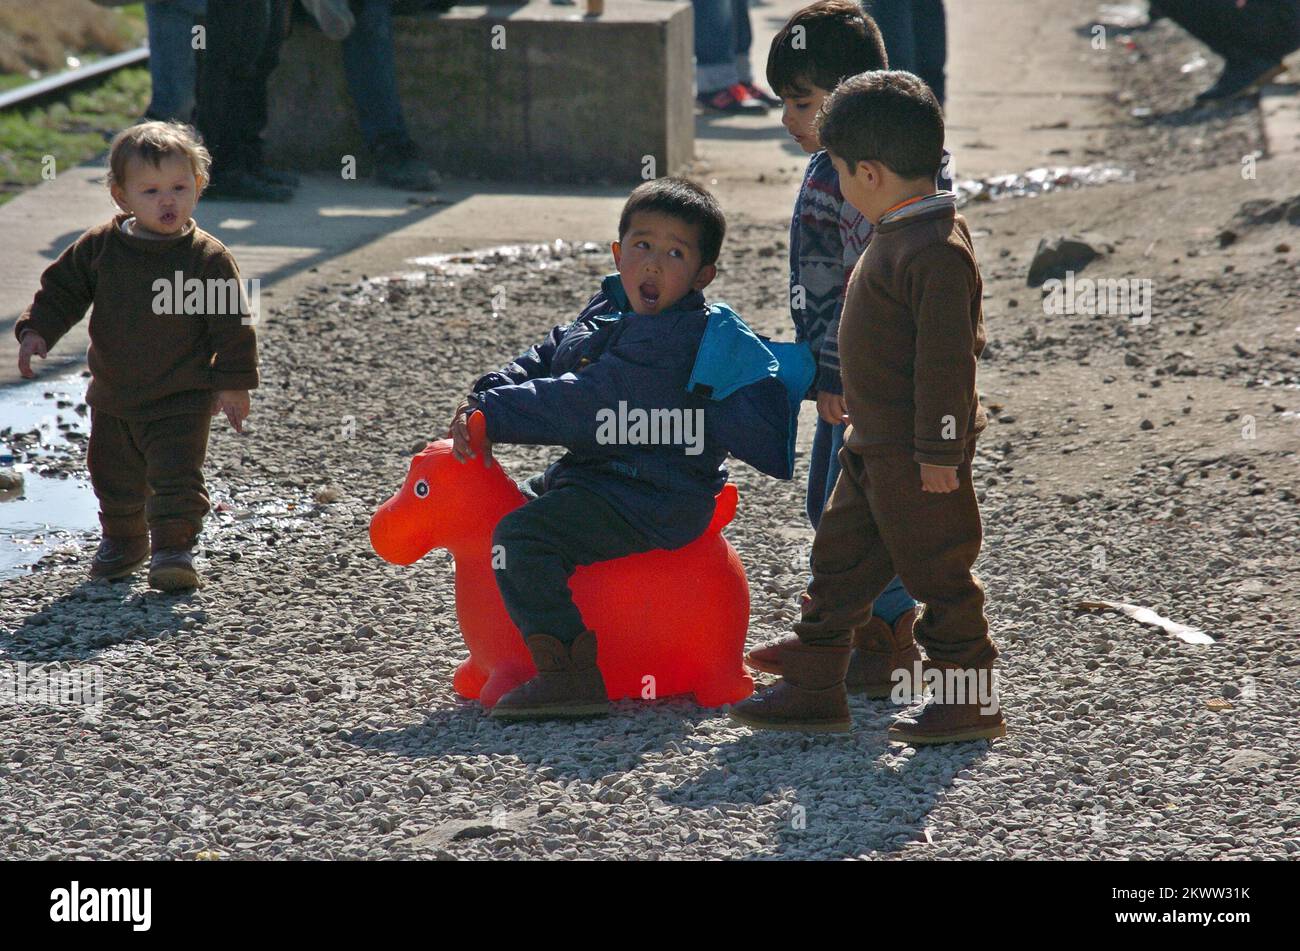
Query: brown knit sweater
pixel 147 364
pixel 911 331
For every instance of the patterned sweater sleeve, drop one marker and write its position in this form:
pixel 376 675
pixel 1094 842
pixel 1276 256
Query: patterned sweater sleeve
pixel 817 272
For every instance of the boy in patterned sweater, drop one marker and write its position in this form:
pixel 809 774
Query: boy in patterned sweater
pixel 818 47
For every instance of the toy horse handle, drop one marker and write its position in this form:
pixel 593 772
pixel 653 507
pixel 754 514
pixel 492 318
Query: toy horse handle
pixel 477 425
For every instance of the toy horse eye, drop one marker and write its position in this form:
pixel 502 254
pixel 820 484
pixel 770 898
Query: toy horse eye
pixel 421 489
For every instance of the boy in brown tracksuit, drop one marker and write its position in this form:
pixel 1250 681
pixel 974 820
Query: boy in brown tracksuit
pixel 171 345
pixel 910 333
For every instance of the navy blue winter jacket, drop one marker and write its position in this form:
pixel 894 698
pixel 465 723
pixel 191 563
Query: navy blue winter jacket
pixel 585 380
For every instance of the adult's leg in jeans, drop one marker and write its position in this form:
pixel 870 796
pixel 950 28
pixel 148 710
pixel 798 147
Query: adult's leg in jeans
pixel 172 66
pixel 894 17
pixel 930 43
pixel 236 32
pixel 744 39
pixel 371 74
pixel 541 544
pixel 1260 28
pixel 715 45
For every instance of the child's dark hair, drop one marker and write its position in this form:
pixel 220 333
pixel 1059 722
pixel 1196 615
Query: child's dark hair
pixel 821 44
pixel 682 199
pixel 887 117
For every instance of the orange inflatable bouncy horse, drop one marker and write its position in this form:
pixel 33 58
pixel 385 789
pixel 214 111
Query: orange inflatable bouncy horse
pixel 666 622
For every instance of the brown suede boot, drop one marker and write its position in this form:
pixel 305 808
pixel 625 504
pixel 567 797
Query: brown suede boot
pixel 810 696
pixel 879 651
pixel 119 557
pixel 769 657
pixel 568 683
pixel 962 708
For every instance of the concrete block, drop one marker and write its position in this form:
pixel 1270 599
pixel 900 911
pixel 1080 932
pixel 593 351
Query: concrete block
pixel 531 92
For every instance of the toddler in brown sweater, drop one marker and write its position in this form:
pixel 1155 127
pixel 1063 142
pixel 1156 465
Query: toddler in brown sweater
pixel 171 344
pixel 910 333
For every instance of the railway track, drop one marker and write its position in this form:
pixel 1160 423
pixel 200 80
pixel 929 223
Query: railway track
pixel 52 87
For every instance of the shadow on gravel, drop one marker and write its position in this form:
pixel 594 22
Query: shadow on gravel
pixel 835 796
pixel 579 749
pixel 847 795
pixel 96 616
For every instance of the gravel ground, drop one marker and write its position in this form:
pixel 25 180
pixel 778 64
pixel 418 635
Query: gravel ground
pixel 301 704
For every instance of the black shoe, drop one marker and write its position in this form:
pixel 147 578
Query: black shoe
pixel 277 177
pixel 398 165
pixel 244 186
pixel 172 569
pixel 118 557
pixel 1241 78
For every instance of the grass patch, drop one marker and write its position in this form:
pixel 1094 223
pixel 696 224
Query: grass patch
pixel 41 36
pixel 72 131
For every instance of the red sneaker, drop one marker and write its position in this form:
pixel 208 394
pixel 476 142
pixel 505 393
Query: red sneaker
pixel 735 98
pixel 761 94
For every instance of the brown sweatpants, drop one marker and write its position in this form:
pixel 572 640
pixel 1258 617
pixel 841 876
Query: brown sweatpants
pixel 148 476
pixel 877 524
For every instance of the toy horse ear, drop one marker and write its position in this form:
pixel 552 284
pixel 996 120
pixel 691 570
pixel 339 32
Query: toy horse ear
pixel 477 431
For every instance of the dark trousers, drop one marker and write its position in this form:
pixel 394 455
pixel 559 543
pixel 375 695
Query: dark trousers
pixel 148 476
pixel 243 47
pixel 371 72
pixel 916 38
pixel 1260 28
pixel 538 546
pixel 878 524
pixel 823 471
